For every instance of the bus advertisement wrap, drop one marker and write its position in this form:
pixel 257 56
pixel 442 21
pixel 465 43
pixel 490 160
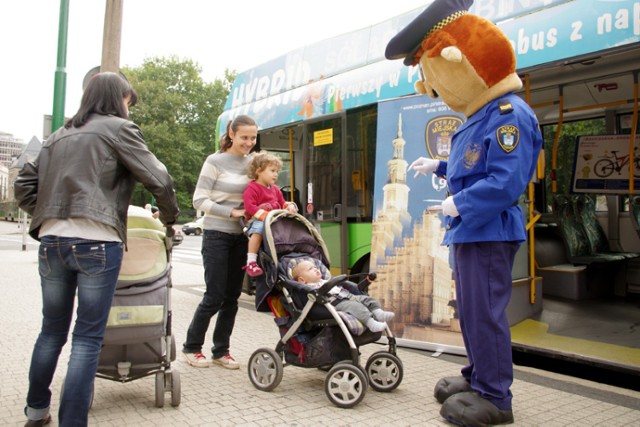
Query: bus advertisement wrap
pixel 414 275
pixel 349 71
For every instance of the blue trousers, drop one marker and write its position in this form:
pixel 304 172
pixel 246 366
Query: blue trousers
pixel 223 257
pixel 482 272
pixel 67 266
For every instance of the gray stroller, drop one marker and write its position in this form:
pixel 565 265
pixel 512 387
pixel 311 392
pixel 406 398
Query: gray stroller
pixel 138 341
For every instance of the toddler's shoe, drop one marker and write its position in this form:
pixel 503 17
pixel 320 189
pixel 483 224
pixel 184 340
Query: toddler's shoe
pixel 253 269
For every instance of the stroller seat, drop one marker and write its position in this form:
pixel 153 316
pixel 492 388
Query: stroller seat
pixel 318 316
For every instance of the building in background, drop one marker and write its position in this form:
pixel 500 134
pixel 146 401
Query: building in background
pixel 4 183
pixel 10 148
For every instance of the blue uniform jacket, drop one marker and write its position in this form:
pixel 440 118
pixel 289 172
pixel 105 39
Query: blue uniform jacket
pixel 493 157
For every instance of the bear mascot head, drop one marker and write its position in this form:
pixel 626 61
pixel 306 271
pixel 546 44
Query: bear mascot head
pixel 464 59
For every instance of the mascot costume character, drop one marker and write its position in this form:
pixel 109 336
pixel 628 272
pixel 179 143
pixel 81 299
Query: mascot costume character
pixel 469 63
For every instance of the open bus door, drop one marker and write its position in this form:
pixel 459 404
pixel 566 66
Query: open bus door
pixel 325 192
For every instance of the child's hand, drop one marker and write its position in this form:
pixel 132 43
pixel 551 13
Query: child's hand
pixel 292 207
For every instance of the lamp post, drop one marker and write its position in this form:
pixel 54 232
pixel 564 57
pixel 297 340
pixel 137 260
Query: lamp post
pixel 60 82
pixel 111 36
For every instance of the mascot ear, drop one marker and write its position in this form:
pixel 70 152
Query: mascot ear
pixel 419 87
pixel 451 54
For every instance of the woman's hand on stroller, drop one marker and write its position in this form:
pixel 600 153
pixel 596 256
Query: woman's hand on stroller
pixel 238 213
pixel 173 236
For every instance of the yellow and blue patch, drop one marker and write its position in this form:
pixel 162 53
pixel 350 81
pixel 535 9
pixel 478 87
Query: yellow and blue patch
pixel 508 137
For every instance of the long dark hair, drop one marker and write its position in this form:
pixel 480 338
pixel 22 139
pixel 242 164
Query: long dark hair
pixel 104 95
pixel 225 139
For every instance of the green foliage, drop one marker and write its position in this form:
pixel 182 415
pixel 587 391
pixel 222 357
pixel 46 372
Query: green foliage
pixel 566 150
pixel 177 112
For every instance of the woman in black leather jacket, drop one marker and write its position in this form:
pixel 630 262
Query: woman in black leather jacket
pixel 77 191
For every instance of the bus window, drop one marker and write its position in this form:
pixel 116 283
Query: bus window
pixel 284 177
pixel 624 124
pixel 324 151
pixel 566 152
pixel 361 146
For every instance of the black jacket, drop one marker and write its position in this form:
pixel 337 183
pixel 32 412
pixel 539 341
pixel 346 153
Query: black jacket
pixel 90 172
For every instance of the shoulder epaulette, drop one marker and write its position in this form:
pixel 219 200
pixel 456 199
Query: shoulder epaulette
pixel 505 107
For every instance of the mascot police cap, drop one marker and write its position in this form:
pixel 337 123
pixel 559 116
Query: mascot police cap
pixel 438 14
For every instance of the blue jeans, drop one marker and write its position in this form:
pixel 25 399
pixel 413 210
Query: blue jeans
pixel 223 256
pixel 67 265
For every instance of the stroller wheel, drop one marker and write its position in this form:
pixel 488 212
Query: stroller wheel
pixel 175 389
pixel 345 385
pixel 384 370
pixel 265 369
pixel 160 389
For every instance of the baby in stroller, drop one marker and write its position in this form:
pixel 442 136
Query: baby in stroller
pixel 314 333
pixel 363 307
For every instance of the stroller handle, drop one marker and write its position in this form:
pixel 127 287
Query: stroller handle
pixel 172 238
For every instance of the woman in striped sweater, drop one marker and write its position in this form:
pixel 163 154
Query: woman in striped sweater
pixel 218 193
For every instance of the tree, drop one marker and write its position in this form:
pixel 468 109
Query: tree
pixel 177 112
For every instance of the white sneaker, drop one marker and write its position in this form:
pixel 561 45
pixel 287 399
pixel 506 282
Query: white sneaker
pixel 226 361
pixel 197 359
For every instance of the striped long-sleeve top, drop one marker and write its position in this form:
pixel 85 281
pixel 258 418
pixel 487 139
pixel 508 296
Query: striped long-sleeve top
pixel 222 180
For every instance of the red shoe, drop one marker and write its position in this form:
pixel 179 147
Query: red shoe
pixel 253 269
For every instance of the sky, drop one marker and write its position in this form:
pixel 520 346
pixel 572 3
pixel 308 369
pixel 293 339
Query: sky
pixel 215 34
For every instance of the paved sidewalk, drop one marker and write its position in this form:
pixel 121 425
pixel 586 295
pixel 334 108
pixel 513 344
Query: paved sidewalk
pixel 216 396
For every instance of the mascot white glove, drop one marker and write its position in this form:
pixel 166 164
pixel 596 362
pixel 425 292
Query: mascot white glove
pixel 449 208
pixel 424 166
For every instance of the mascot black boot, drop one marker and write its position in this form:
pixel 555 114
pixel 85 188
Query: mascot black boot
pixel 469 409
pixel 448 386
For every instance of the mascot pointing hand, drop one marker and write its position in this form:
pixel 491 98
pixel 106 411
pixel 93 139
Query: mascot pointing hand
pixel 469 63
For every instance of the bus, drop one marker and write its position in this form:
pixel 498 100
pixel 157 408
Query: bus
pixel 347 123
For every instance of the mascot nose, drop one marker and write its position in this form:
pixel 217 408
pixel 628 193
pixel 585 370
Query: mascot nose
pixel 419 87
pixel 422 88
